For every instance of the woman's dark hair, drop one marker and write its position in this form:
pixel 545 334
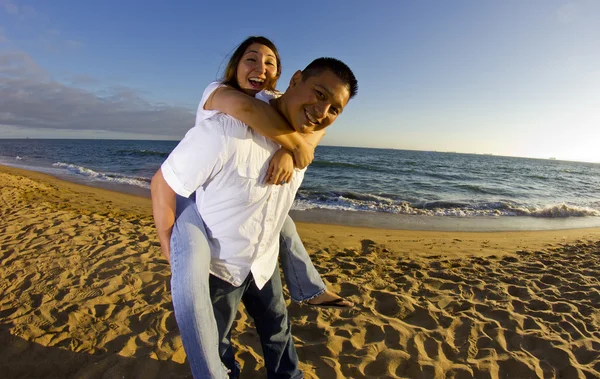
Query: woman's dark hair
pixel 229 76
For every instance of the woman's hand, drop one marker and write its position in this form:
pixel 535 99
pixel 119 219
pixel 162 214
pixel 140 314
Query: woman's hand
pixel 281 167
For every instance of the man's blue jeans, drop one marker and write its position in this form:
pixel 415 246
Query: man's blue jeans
pixel 267 308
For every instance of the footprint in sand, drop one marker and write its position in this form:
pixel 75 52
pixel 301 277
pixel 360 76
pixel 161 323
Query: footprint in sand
pixel 423 318
pixel 374 333
pixel 390 305
pixel 520 292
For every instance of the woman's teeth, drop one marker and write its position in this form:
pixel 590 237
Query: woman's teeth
pixel 256 81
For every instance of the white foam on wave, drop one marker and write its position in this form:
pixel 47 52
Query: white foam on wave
pixel 104 177
pixel 405 208
pixel 556 211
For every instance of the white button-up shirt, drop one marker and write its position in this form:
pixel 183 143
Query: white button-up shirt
pixel 226 162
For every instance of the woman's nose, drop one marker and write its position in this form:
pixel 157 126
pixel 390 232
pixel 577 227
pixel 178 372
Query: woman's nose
pixel 261 66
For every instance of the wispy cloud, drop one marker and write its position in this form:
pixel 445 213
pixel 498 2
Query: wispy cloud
pixel 21 11
pixel 82 80
pixel 73 43
pixel 3 38
pixel 9 7
pixel 30 98
pixel 38 24
pixel 568 13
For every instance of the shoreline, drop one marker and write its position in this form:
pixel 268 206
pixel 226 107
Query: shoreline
pixel 85 293
pixel 376 220
pixel 415 241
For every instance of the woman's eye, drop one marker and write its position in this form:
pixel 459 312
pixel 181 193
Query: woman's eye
pixel 270 63
pixel 251 60
pixel 334 111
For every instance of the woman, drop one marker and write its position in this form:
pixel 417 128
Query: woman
pixel 254 66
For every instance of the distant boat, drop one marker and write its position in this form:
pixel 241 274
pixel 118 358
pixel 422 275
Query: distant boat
pixel 552 158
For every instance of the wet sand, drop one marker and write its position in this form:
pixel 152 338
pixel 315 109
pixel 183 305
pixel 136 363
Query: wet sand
pixel 84 293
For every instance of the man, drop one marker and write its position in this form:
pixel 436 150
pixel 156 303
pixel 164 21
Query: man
pixel 225 163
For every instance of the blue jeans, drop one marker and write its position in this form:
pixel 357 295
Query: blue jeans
pixel 301 276
pixel 267 308
pixel 190 260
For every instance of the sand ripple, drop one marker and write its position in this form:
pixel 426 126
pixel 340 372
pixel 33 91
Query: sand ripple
pixel 85 294
pixel 525 315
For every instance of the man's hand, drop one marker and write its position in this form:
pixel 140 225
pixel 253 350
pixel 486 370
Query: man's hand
pixel 304 153
pixel 281 167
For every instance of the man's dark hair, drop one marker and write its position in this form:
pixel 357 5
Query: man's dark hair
pixel 339 68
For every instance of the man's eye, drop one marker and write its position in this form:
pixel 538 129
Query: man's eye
pixel 320 95
pixel 251 60
pixel 334 111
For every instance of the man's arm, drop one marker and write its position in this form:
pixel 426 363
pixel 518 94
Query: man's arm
pixel 163 210
pixel 314 138
pixel 263 118
pixel 191 163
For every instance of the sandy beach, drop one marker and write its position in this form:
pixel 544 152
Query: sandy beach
pixel 84 293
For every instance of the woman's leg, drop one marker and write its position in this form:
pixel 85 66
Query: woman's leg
pixel 190 260
pixel 301 276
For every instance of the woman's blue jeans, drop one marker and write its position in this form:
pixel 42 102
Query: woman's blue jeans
pixel 301 276
pixel 190 261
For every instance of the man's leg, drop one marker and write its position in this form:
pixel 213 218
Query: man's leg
pixel 190 259
pixel 301 276
pixel 267 308
pixel 226 299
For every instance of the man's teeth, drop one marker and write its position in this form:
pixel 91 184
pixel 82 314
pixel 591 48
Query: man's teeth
pixel 310 118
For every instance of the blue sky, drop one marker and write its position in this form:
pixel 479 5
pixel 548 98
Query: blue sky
pixel 517 78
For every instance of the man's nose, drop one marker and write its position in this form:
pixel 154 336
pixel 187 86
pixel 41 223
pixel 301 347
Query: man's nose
pixel 322 109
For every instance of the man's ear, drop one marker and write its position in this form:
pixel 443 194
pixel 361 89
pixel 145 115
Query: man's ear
pixel 296 78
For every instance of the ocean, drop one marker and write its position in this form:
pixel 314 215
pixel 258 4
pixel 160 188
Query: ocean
pixel 348 182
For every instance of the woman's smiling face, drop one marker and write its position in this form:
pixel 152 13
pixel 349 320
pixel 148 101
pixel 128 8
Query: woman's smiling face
pixel 257 68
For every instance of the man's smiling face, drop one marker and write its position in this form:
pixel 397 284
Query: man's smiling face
pixel 315 102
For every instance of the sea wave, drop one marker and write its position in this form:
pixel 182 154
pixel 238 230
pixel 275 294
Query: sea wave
pixel 104 176
pixel 373 203
pixel 556 211
pixel 142 153
pixel 343 165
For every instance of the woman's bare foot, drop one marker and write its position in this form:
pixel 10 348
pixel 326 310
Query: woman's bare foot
pixel 330 300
